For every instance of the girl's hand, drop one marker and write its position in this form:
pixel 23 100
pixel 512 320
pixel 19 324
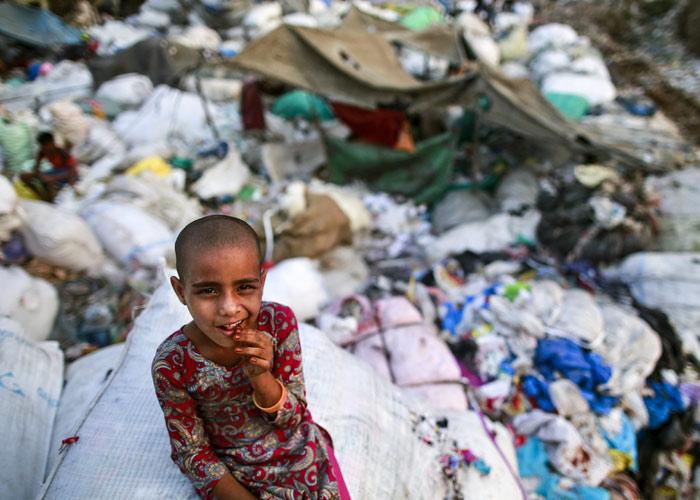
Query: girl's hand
pixel 256 347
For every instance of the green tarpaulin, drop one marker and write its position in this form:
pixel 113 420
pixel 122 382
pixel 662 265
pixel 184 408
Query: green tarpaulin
pixel 421 18
pixel 423 175
pixel 301 104
pixel 572 106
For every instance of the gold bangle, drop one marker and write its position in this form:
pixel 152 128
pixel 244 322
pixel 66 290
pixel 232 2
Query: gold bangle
pixel 278 405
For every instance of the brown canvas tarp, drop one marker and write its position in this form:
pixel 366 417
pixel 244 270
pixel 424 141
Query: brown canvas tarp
pixel 362 69
pixel 353 65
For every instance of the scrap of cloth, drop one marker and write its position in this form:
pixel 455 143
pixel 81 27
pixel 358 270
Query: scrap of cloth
pixel 214 425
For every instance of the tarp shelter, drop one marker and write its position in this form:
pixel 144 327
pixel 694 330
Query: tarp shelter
pixel 162 61
pixel 362 69
pixel 35 27
pixel 359 66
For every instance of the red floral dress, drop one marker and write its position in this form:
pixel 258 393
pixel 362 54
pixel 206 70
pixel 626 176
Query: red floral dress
pixel 214 425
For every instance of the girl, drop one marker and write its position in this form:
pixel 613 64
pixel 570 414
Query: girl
pixel 230 382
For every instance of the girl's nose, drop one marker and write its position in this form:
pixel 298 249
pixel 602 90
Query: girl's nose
pixel 228 305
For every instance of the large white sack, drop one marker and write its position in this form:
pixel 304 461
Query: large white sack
pixel 156 196
pixel 199 37
pixel 517 190
pixel 31 377
pixel 678 194
pixel 262 18
pixel 85 379
pixel 32 302
pixel 630 347
pixel 128 233
pixel 458 207
pixel 292 160
pixel 60 237
pixel 70 124
pixel 9 220
pixel 299 284
pixel 100 141
pixel 128 90
pixel 551 35
pixel 67 80
pixel 594 89
pixel 124 451
pixel 167 112
pixel 225 178
pixel 477 34
pixel 549 61
pixel 493 234
pixel 669 281
pixel 116 35
pixel 580 319
pixel 216 89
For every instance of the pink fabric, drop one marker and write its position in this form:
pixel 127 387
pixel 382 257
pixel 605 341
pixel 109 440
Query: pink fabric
pixel 342 487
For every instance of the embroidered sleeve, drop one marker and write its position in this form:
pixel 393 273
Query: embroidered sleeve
pixel 288 368
pixel 188 440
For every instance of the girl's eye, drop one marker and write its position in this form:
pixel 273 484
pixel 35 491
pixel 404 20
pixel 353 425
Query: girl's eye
pixel 207 291
pixel 245 288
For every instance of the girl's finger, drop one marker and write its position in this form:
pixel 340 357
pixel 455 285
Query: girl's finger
pixel 262 363
pixel 252 352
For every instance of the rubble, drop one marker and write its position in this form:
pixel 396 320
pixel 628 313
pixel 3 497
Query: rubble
pixel 494 234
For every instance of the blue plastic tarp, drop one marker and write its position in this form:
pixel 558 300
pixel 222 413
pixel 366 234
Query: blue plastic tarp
pixel 36 27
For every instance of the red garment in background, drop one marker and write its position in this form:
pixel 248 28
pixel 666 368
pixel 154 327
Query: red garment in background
pixel 376 126
pixel 252 109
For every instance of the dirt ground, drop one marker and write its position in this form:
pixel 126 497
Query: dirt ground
pixel 637 50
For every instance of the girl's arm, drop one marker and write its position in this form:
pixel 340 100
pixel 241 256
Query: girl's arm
pixel 189 442
pixel 287 368
pixel 229 489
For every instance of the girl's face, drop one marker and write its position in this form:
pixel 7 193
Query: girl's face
pixel 223 292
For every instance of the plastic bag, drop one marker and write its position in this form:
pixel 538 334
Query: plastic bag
pixel 31 302
pixel 60 237
pixel 128 233
pixel 129 90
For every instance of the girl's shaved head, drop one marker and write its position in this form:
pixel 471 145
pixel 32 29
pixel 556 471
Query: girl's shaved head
pixel 213 231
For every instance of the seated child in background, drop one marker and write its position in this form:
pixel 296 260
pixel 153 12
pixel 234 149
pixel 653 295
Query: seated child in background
pixel 230 382
pixel 64 168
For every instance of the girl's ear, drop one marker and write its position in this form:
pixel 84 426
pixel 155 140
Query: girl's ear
pixel 179 289
pixel 263 275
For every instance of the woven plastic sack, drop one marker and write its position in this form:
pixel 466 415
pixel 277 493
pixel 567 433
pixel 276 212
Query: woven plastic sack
pixel 630 347
pixel 595 89
pixel 225 178
pixel 124 452
pixel 60 237
pixel 16 140
pixel 299 284
pixel 9 220
pixel 156 196
pixel 128 233
pixel 580 320
pixel 669 281
pixel 129 90
pixel 31 376
pixel 69 123
pixel 85 379
pixel 32 302
pixel 100 141
pixel 680 225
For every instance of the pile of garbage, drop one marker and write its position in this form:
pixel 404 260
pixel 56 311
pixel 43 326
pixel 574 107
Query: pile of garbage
pixel 452 195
